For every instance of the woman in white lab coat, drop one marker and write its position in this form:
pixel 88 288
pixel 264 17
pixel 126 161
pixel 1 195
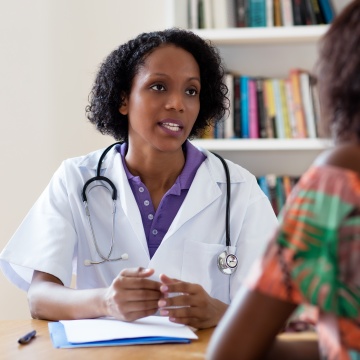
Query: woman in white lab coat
pixel 163 231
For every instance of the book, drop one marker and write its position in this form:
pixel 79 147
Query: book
pixel 269 13
pixel 298 105
pixel 286 12
pixel 291 107
pixel 308 104
pixel 264 185
pixel 257 13
pixel 316 103
pixel 208 14
pixel 223 14
pixel 193 6
pixel 241 13
pixel 229 119
pixel 297 12
pixel 270 112
pixel 309 13
pixel 271 184
pixel 253 111
pixel 277 13
pixel 201 20
pixel 244 87
pixel 317 12
pixel 237 108
pixel 280 194
pixel 327 10
pixel 279 118
pixel 285 110
pixel 261 108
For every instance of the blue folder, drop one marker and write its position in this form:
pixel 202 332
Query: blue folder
pixel 59 340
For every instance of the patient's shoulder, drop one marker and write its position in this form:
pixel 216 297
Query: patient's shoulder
pixel 345 156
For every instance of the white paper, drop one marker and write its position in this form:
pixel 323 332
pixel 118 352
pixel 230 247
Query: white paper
pixel 102 329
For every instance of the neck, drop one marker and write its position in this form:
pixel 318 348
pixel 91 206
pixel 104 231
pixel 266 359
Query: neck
pixel 157 170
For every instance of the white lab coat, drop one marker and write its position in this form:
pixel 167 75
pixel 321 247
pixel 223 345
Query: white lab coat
pixel 55 236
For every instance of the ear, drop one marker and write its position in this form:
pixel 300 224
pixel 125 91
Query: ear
pixel 123 109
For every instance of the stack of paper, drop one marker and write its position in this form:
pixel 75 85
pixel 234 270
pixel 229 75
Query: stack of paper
pixel 111 332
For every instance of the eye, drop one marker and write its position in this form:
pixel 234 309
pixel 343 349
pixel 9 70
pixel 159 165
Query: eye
pixel 191 92
pixel 157 87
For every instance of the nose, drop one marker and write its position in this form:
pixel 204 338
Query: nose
pixel 175 101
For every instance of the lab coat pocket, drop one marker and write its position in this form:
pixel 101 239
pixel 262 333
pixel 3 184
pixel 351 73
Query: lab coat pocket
pixel 200 267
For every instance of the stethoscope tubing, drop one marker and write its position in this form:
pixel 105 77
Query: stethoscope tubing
pixel 227 262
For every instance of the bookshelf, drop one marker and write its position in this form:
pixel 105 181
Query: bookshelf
pixel 268 52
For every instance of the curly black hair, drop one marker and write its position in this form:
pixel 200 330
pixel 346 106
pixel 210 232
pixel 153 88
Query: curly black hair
pixel 338 72
pixel 116 73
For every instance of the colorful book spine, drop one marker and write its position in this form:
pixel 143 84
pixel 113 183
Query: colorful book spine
pixel 253 111
pixel 309 13
pixel 327 10
pixel 290 106
pixel 279 119
pixel 269 102
pixel 229 120
pixel 261 107
pixel 298 106
pixel 277 13
pixel 285 110
pixel 317 12
pixel 269 13
pixel 244 86
pixel 241 13
pixel 237 107
pixel 257 13
pixel 286 12
pixel 297 13
pixel 308 104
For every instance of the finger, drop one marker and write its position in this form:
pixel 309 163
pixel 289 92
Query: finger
pixel 179 287
pixel 137 283
pixel 137 272
pixel 182 300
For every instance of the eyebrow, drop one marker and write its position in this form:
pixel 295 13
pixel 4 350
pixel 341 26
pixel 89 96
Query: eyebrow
pixel 190 78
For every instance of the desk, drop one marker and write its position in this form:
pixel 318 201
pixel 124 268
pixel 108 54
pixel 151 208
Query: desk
pixel 41 348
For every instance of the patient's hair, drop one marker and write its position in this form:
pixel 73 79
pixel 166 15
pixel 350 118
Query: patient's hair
pixel 338 71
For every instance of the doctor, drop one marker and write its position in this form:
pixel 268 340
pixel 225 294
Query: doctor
pixel 145 235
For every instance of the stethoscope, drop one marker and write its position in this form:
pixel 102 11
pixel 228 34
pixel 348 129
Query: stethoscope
pixel 226 262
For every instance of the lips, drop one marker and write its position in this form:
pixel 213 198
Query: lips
pixel 171 125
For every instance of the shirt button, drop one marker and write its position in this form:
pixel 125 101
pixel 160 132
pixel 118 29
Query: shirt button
pixel 141 189
pixel 146 202
pixel 154 232
pixel 150 216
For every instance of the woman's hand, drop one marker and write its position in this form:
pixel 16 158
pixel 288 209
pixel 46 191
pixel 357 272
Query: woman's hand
pixel 193 305
pixel 132 296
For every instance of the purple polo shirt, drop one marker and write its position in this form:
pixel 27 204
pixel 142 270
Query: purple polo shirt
pixel 156 224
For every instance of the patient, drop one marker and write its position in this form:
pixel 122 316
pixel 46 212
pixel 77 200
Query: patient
pixel 314 258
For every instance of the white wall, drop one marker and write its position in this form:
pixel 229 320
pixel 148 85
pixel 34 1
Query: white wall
pixel 50 50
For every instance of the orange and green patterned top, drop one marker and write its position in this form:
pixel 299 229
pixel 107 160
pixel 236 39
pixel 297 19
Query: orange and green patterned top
pixel 314 258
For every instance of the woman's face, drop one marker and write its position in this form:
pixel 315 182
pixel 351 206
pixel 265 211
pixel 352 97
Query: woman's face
pixel 164 100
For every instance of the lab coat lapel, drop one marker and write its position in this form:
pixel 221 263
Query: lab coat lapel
pixel 203 191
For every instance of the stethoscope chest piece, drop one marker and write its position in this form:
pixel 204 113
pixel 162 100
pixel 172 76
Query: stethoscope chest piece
pixel 227 263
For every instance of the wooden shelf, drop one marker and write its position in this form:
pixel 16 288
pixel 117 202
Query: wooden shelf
pixel 269 35
pixel 263 144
